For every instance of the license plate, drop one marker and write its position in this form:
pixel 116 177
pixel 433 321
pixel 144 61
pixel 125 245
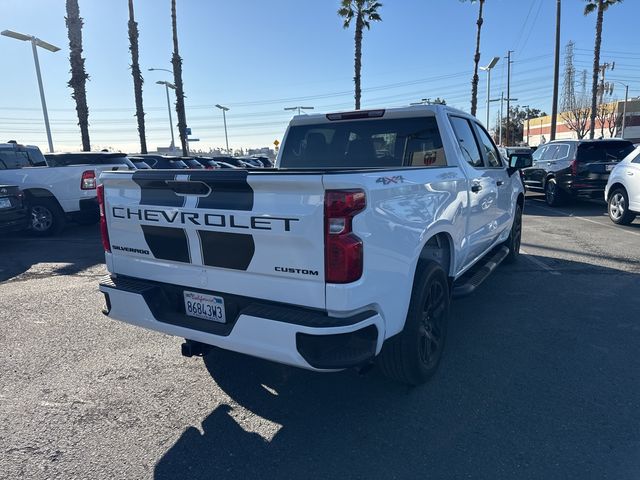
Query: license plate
pixel 5 203
pixel 207 307
pixel 609 167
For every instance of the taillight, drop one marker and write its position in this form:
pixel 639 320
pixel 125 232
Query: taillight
pixel 343 252
pixel 574 166
pixel 104 232
pixel 88 181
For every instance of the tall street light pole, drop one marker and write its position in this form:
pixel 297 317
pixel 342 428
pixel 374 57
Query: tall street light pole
pixel 36 42
pixel 556 74
pixel 168 86
pixel 299 109
pixel 224 119
pixel 488 70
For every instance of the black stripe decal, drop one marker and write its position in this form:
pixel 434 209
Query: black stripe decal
pixel 226 250
pixel 167 243
pixel 154 189
pixel 229 190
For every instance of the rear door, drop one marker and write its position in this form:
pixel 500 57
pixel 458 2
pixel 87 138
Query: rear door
pixel 483 191
pixel 496 169
pixel 255 235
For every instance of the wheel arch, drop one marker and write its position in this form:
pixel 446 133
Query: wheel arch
pixel 440 249
pixel 547 177
pixel 615 187
pixel 32 193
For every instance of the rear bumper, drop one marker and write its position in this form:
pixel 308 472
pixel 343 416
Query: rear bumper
pixel 282 333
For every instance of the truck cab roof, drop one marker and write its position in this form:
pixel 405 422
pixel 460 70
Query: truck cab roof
pixel 377 113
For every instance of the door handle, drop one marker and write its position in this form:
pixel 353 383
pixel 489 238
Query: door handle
pixel 630 173
pixel 499 183
pixel 476 188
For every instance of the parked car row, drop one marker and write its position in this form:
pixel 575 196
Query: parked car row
pixel 589 169
pixel 198 162
pixel 44 192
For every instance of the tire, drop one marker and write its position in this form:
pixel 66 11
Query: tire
pixel 553 195
pixel 47 218
pixel 515 237
pixel 618 207
pixel 412 356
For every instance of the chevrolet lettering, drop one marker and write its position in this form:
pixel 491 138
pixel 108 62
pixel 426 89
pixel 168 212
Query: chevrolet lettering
pixel 204 219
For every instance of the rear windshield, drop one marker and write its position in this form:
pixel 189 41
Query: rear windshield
pixel 64 160
pixel 603 151
pixel 365 143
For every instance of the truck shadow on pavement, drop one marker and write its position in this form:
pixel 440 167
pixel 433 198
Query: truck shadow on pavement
pixel 532 385
pixel 75 250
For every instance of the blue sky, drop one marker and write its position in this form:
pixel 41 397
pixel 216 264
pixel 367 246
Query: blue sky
pixel 258 57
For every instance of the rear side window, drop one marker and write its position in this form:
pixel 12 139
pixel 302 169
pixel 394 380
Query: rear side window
pixel 13 159
pixel 467 141
pixel 596 152
pixel 365 143
pixel 561 152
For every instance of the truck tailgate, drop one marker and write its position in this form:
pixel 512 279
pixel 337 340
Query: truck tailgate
pixel 259 235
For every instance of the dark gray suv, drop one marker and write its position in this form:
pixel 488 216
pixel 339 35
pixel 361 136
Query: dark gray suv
pixel 565 169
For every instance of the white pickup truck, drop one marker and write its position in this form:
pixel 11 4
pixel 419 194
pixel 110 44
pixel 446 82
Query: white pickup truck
pixel 348 251
pixel 57 190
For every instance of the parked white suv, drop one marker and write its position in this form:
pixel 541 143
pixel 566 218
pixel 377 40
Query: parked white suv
pixel 622 192
pixel 350 250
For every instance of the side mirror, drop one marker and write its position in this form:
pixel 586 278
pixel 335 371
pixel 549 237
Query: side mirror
pixel 520 160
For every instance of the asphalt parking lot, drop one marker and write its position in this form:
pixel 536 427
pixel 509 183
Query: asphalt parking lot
pixel 540 378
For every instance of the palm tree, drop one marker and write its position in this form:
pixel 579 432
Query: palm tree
pixel 364 11
pixel 600 6
pixel 176 61
pixel 476 60
pixel 78 75
pixel 137 77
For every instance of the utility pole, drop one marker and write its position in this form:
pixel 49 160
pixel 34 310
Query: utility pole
pixel 603 69
pixel 508 99
pixel 556 74
pixel 624 109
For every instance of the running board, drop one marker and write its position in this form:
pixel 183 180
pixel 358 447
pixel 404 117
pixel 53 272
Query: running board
pixel 471 280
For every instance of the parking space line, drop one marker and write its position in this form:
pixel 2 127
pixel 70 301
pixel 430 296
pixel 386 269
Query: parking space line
pixel 539 263
pixel 618 228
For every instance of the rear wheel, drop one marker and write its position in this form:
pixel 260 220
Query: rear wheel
pixel 47 218
pixel 553 195
pixel 413 355
pixel 515 237
pixel 618 204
